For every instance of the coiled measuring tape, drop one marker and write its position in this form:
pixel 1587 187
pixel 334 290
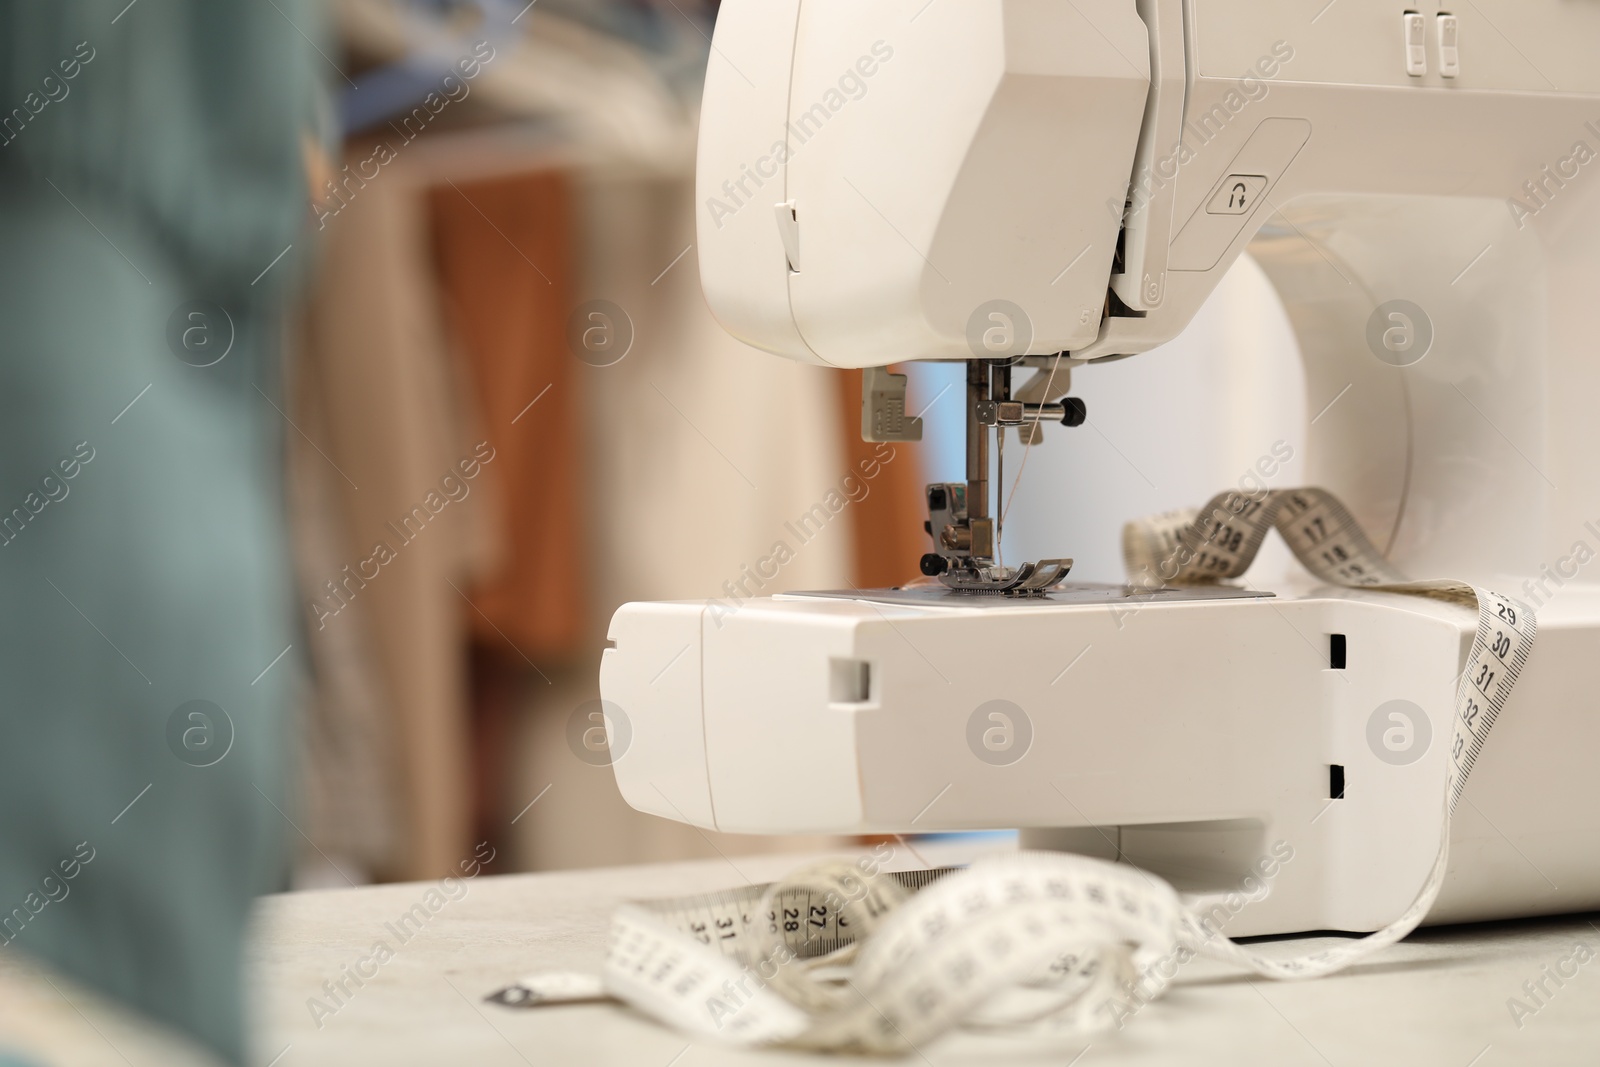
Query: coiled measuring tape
pixel 846 956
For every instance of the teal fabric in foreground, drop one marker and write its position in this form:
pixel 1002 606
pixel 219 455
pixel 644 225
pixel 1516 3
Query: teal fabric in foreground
pixel 143 562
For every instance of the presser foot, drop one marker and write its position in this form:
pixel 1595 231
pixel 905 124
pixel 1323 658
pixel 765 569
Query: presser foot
pixel 982 578
pixel 965 560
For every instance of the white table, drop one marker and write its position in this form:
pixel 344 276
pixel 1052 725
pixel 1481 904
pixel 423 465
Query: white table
pixel 1440 998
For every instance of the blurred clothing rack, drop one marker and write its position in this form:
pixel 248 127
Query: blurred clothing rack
pixel 439 321
pixel 616 93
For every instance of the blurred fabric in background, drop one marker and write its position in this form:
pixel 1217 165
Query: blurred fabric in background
pixel 459 248
pixel 151 175
pixel 379 532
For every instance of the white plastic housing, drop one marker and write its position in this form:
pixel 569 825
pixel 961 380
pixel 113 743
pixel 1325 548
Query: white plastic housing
pixel 989 158
pixel 932 162
pixel 990 151
pixel 1195 737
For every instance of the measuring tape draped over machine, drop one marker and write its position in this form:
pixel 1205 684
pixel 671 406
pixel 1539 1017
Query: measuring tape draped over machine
pixel 844 956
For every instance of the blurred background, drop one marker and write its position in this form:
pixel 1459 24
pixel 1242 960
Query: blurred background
pixel 516 274
pixel 480 396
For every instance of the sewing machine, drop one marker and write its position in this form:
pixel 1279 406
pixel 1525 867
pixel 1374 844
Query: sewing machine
pixel 1037 187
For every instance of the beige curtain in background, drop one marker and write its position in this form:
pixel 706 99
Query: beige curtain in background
pixel 394 423
pixel 660 477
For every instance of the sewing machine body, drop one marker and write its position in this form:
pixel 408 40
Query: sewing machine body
pixel 1192 738
pixel 1029 151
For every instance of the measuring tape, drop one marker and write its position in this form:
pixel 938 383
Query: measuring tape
pixel 1221 540
pixel 847 956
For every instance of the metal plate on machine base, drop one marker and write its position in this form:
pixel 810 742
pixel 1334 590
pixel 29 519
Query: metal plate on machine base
pixel 939 596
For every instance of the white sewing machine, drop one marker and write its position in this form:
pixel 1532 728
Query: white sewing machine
pixel 956 179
